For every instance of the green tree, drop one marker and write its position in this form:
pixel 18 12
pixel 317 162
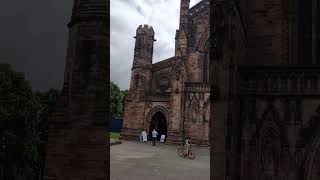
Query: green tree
pixel 115 100
pixel 18 124
pixel 47 103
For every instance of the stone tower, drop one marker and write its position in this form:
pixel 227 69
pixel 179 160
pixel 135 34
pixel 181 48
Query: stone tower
pixel 179 71
pixel 142 62
pixel 182 32
pixel 141 75
pixel 76 147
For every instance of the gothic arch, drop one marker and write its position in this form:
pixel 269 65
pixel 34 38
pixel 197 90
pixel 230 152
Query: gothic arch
pixel 313 160
pixel 192 99
pixel 156 109
pixel 270 119
pixel 152 112
pixel 269 160
pixel 193 109
pixel 270 127
pixel 268 139
pixel 201 45
pixel 203 48
pixel 263 153
pixel 312 155
pixel 152 120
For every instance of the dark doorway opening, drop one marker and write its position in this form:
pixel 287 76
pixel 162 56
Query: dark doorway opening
pixel 159 123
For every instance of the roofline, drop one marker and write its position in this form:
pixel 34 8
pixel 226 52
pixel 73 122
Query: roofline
pixel 164 60
pixel 196 5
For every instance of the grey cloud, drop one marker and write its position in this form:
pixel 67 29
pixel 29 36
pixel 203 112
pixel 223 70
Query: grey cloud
pixel 163 15
pixel 34 36
pixel 139 9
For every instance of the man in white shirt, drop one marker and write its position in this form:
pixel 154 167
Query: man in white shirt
pixel 154 137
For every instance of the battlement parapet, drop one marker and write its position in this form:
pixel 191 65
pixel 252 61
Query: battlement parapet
pixel 145 30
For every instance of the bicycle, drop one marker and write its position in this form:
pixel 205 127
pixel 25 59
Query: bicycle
pixel 191 154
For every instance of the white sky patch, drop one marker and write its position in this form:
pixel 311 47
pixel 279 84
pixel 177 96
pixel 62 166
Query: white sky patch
pixel 125 17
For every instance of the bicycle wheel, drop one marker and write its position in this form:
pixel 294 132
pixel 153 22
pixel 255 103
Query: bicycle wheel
pixel 181 152
pixel 192 154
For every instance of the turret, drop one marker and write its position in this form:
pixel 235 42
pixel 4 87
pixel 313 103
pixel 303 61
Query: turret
pixel 184 14
pixel 84 10
pixel 142 62
pixel 181 43
pixel 182 34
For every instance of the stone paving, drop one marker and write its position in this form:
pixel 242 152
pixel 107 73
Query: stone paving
pixel 136 161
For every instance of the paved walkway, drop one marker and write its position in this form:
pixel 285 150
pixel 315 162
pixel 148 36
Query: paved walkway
pixel 139 161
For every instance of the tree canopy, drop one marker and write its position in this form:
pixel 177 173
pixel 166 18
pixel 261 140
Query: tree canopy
pixel 117 100
pixel 23 123
pixel 18 119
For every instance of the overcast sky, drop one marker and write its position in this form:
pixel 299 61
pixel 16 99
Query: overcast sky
pixel 33 36
pixel 33 39
pixel 126 16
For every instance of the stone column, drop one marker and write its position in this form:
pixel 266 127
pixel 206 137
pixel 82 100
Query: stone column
pixel 77 144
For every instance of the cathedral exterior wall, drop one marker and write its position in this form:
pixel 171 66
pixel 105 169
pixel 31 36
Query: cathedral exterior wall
pixel 161 80
pixel 134 117
pixel 174 87
pixel 266 109
pixel 197 113
pixel 194 67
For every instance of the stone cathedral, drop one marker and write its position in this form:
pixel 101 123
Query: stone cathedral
pixel 172 96
pixel 265 81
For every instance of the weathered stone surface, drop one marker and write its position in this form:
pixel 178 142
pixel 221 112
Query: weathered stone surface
pixel 77 143
pixel 265 119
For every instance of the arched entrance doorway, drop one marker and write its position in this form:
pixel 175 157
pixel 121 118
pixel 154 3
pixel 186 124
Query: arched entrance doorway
pixel 159 123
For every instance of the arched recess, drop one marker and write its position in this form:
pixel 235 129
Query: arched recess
pixel 154 111
pixel 203 48
pixel 202 43
pixel 312 154
pixel 312 168
pixel 193 107
pixel 269 161
pixel 263 155
pixel 313 162
pixel 270 118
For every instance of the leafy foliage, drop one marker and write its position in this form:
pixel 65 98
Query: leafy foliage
pixel 117 100
pixel 23 123
pixel 47 101
pixel 18 119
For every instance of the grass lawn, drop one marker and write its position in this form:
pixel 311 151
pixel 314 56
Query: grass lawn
pixel 114 135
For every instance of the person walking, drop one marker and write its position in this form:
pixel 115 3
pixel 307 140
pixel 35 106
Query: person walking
pixel 154 137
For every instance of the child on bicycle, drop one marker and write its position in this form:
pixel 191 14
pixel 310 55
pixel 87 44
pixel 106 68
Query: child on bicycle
pixel 186 145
